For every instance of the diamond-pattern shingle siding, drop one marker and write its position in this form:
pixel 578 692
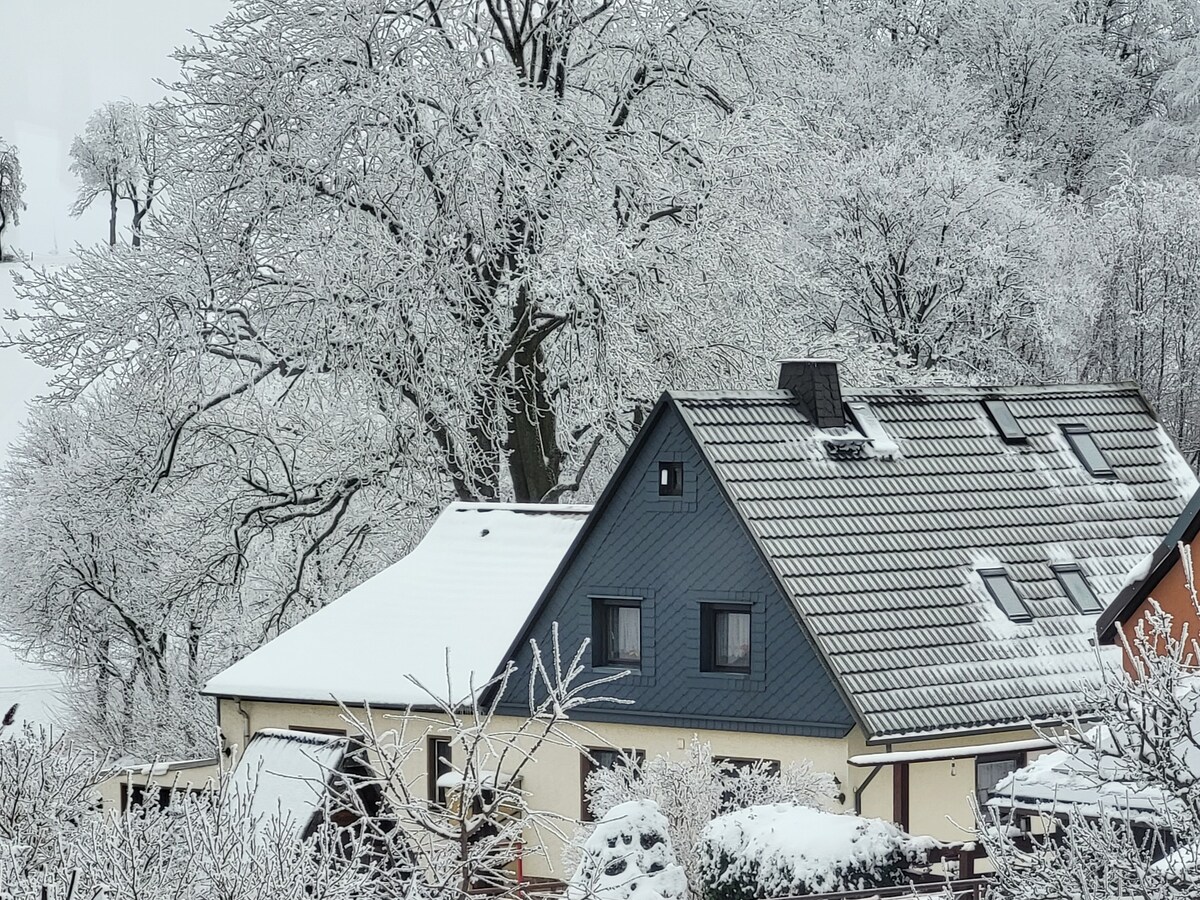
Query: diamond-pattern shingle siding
pixel 880 555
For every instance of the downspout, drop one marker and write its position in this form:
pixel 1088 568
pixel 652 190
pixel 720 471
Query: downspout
pixel 245 724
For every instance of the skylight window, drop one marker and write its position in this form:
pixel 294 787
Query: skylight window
pixel 1083 442
pixel 1006 423
pixel 997 583
pixel 1076 585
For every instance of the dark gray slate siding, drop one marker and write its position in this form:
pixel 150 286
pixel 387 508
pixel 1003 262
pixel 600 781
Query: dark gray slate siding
pixel 675 553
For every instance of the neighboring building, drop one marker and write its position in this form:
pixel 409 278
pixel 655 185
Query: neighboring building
pixel 892 583
pixel 132 784
pixel 1162 578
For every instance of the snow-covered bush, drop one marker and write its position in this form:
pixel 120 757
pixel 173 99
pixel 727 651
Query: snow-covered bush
pixel 629 856
pixel 47 790
pixel 692 790
pixel 784 850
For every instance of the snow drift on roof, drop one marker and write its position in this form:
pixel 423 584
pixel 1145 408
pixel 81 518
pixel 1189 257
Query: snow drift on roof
pixel 465 589
pixel 283 776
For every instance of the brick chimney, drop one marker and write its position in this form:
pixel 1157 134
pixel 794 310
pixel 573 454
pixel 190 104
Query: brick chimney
pixel 814 383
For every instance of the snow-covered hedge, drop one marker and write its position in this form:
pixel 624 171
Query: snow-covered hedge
pixel 629 857
pixel 784 850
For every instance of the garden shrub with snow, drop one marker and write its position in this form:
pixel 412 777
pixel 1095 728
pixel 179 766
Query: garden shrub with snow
pixel 783 850
pixel 629 856
pixel 692 789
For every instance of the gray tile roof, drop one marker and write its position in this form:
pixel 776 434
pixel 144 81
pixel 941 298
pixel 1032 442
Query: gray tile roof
pixel 880 555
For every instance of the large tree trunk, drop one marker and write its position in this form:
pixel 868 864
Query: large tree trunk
pixel 112 216
pixel 534 458
pixel 139 213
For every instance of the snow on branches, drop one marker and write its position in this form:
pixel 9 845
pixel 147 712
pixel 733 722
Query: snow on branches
pixel 693 789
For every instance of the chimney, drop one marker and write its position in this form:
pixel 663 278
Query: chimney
pixel 814 384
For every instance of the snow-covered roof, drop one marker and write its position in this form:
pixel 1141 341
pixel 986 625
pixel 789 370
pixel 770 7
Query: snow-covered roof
pixel 460 596
pixel 881 556
pixel 283 777
pixel 1102 777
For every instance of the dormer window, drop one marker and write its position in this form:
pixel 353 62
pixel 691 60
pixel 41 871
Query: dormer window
pixel 1075 584
pixel 1083 442
pixel 1006 423
pixel 1005 595
pixel 670 479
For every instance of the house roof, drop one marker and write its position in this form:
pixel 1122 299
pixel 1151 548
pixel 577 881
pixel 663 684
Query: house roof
pixel 282 779
pixel 447 610
pixel 1144 578
pixel 880 554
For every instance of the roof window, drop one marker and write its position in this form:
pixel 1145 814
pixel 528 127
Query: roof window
pixel 1076 585
pixel 1005 422
pixel 997 583
pixel 1083 442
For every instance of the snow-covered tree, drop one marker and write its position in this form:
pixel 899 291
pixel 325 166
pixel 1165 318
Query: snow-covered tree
pixel 487 821
pixel 1124 805
pixel 12 187
pixel 48 785
pixel 1147 326
pixel 693 789
pixel 104 158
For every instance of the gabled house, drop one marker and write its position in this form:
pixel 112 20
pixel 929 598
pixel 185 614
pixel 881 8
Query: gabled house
pixel 1163 578
pixel 893 583
pixel 902 579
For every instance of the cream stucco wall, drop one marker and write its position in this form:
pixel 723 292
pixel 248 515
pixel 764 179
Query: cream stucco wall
pixel 940 791
pixel 184 776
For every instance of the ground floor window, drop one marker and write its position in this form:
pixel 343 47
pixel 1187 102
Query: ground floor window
pixel 594 758
pixel 438 762
pixel 990 771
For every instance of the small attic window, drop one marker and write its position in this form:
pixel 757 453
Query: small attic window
pixel 1006 423
pixel 1083 442
pixel 670 479
pixel 997 583
pixel 1076 585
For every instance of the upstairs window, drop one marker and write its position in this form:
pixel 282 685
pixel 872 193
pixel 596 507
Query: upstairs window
pixel 1006 423
pixel 617 632
pixel 724 638
pixel 670 479
pixel 1077 588
pixel 1083 442
pixel 997 583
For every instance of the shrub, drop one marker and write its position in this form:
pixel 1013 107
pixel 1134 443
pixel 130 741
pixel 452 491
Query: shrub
pixel 629 857
pixel 785 850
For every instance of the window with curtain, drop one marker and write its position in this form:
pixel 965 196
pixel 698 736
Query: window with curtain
pixel 617 632
pixel 725 638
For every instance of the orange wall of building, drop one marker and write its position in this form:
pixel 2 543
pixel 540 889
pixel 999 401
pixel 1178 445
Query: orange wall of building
pixel 1175 597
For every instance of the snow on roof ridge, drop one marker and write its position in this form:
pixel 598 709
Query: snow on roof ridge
pixel 315 738
pixel 497 506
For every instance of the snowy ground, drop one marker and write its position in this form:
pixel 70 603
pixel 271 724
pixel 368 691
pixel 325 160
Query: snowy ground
pixel 20 381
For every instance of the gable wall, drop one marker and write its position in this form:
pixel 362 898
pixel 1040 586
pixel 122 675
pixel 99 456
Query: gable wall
pixel 1174 595
pixel 674 554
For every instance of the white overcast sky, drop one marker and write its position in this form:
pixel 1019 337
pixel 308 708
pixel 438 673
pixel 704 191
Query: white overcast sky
pixel 61 60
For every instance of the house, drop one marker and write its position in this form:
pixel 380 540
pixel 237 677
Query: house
pixel 1161 578
pixel 893 583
